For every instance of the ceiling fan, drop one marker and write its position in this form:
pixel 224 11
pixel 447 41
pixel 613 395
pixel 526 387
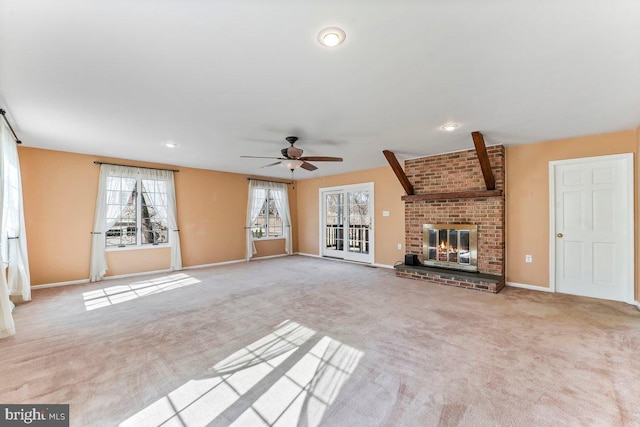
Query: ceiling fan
pixel 292 158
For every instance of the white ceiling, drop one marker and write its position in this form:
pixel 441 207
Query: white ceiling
pixel 227 78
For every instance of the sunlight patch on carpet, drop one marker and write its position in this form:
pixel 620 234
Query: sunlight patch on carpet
pixel 288 377
pixel 121 293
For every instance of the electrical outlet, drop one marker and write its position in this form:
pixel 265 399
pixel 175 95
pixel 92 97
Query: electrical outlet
pixel 399 246
pixel 528 258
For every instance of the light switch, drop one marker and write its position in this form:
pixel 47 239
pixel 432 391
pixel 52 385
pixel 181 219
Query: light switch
pixel 385 213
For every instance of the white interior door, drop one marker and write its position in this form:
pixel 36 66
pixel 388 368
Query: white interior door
pixel 346 229
pixel 592 227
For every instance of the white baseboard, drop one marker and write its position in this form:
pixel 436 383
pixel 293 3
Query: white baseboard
pixel 84 281
pixel 126 276
pixel 141 273
pixel 531 287
pixel 344 260
pixel 215 264
pixel 55 285
pixel 384 266
pixel 311 255
pixel 268 257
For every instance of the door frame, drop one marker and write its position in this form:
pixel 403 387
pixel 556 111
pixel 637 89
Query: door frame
pixel 349 187
pixel 628 245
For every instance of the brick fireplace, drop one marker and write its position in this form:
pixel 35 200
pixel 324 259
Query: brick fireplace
pixel 450 189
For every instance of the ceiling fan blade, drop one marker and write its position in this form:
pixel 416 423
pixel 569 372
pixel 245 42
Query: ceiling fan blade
pixel 321 159
pixel 272 164
pixel 258 157
pixel 308 166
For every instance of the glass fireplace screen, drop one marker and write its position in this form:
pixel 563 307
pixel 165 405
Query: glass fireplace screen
pixel 450 245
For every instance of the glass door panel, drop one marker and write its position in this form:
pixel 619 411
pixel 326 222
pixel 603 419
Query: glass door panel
pixel 359 221
pixel 333 224
pixel 347 222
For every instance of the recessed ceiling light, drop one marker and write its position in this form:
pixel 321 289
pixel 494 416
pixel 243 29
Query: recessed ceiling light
pixel 170 144
pixel 450 127
pixel 331 37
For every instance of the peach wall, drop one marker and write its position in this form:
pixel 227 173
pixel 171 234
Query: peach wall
pixel 389 231
pixel 60 191
pixel 155 259
pixel 211 215
pixel 528 197
pixel 269 247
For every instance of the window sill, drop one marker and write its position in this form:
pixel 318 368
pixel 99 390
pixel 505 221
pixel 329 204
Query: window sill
pixel 136 248
pixel 259 239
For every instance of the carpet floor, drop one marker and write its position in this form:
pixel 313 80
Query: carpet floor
pixel 306 341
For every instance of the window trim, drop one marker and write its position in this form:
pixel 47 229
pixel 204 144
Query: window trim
pixel 260 239
pixel 268 237
pixel 138 245
pixel 136 248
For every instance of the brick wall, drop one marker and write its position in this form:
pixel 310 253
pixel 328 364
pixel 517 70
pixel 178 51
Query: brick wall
pixel 459 171
pixel 456 172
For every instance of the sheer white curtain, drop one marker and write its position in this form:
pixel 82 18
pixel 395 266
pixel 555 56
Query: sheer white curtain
pixel 257 196
pixel 280 196
pixel 13 248
pixel 109 193
pixel 14 234
pixel 7 326
pixel 167 177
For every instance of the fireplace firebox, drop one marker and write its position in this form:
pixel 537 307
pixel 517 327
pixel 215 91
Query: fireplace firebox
pixel 450 246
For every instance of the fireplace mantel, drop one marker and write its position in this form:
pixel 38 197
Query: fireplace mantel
pixel 453 195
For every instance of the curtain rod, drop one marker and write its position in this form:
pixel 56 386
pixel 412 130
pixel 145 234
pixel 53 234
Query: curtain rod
pixel 9 125
pixel 139 167
pixel 265 180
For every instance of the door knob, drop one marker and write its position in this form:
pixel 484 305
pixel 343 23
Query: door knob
pixel 559 234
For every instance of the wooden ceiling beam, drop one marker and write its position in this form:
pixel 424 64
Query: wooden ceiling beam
pixel 397 169
pixel 483 157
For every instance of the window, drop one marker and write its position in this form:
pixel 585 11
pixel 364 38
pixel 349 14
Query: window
pixel 268 215
pixel 136 217
pixel 269 222
pixel 135 207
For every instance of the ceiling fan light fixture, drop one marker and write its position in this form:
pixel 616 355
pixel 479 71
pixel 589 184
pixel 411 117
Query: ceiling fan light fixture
pixel 292 164
pixel 450 127
pixel 331 36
